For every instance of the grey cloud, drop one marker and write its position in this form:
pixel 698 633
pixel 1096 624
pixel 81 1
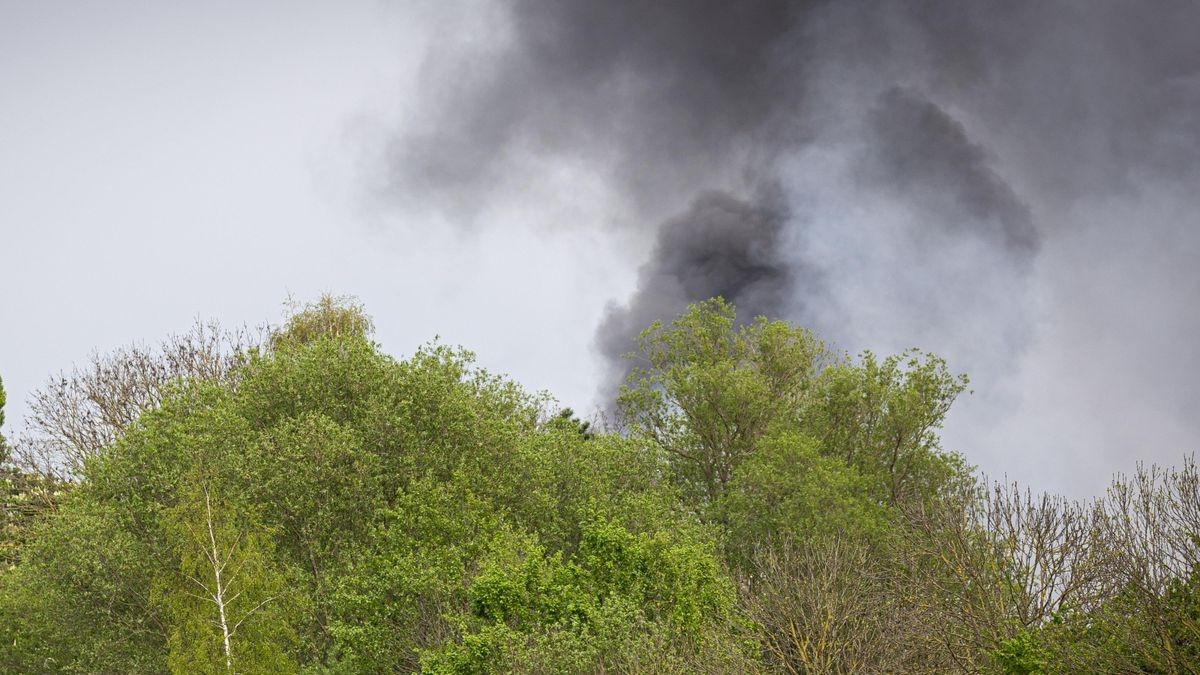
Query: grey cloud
pixel 661 94
pixel 918 152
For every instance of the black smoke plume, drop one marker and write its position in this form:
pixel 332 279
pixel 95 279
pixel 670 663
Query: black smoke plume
pixel 663 94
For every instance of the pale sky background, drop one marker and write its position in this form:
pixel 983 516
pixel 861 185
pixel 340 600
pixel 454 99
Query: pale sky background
pixel 167 161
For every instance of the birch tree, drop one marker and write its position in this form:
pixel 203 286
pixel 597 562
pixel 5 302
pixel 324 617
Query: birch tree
pixel 228 604
pixel 3 444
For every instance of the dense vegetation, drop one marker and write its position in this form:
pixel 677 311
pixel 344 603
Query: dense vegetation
pixel 305 503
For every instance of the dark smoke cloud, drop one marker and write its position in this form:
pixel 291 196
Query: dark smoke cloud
pixel 919 152
pixel 1085 96
pixel 661 94
pixel 1008 184
pixel 721 246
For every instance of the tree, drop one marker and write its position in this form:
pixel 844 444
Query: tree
pixel 1148 615
pixel 24 496
pixel 533 610
pixel 330 317
pixel 883 416
pixel 227 605
pixel 786 493
pixel 567 419
pixel 79 413
pixel 990 565
pixel 829 604
pixel 706 391
pixel 79 600
pixel 3 443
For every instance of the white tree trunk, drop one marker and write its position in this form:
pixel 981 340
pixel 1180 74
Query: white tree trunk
pixel 220 588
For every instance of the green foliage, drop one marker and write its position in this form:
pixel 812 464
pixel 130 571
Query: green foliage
pixel 329 317
pixel 528 605
pixel 79 602
pixel 882 416
pixel 1130 632
pixel 25 497
pixel 3 443
pixel 228 604
pixel 710 390
pixel 1022 655
pixel 367 505
pixel 395 595
pixel 789 491
pixel 774 439
pixel 1182 619
pixel 566 419
pixel 768 506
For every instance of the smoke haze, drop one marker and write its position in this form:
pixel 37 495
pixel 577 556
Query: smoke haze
pixel 1006 184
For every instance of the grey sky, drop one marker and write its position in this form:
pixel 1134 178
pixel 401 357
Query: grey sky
pixel 163 161
pixel 1009 187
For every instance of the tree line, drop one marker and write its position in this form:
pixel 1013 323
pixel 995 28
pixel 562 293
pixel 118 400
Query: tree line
pixel 295 500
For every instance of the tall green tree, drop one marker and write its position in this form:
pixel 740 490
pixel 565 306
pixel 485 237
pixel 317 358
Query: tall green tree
pixel 706 391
